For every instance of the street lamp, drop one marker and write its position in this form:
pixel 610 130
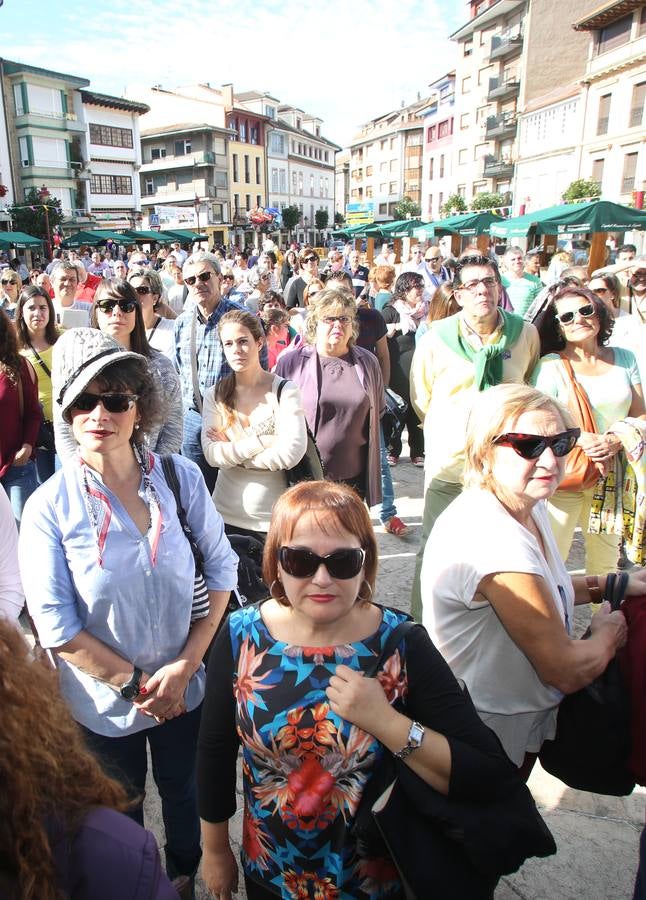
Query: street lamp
pixel 43 196
pixel 196 204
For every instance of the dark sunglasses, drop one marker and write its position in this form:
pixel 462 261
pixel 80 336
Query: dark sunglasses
pixel 203 277
pixel 586 312
pixel 310 259
pixel 531 446
pixel 143 290
pixel 226 278
pixel 126 306
pixel 8 281
pixel 113 403
pixel 301 563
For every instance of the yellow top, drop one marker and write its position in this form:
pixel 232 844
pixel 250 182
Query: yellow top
pixel 44 380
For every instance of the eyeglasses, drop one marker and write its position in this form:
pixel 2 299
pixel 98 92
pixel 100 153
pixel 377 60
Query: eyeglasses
pixel 531 446
pixel 301 563
pixel 8 281
pixel 112 402
pixel 126 306
pixel 142 290
pixel 227 278
pixel 586 312
pixel 203 277
pixel 330 320
pixel 433 259
pixel 489 281
pixel 310 259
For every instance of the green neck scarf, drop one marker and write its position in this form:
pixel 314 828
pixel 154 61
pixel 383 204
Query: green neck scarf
pixel 487 360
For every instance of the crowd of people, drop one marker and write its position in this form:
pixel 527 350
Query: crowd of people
pixel 155 408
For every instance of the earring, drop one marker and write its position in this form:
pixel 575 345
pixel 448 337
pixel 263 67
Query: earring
pixel 367 599
pixel 279 583
pixel 137 426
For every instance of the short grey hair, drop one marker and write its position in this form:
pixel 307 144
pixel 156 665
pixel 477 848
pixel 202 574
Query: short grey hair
pixel 202 256
pixel 65 266
pixel 514 250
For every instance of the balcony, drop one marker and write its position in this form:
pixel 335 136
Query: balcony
pixel 502 90
pixel 40 118
pixel 185 161
pixel 505 46
pixel 499 127
pixel 497 168
pixel 204 158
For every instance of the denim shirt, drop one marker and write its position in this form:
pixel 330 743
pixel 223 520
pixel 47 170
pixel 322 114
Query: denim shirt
pixel 140 610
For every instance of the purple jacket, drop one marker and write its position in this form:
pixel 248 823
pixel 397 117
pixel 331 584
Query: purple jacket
pixel 110 856
pixel 300 366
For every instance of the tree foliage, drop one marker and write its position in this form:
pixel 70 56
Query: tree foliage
pixel 455 204
pixel 321 218
pixel 291 217
pixel 29 214
pixel 487 200
pixel 339 218
pixel 407 208
pixel 581 189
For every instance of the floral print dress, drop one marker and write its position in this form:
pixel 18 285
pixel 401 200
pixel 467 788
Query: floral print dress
pixel 304 767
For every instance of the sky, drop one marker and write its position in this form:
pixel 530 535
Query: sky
pixel 344 61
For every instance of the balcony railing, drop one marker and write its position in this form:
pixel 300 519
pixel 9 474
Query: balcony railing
pixel 497 168
pixel 500 126
pixel 503 46
pixel 499 88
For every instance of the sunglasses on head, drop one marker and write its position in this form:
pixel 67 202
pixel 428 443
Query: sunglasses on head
pixel 203 277
pixel 531 446
pixel 126 306
pixel 112 402
pixel 586 312
pixel 301 563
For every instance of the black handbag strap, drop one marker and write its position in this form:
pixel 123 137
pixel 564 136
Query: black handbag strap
pixel 170 475
pixel 616 584
pixel 41 361
pixel 392 642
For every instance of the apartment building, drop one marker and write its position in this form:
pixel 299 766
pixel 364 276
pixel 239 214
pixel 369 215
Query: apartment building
pixel 114 147
pixel 185 178
pixel 46 140
pixel 438 181
pixel 488 83
pixel 386 160
pixel 613 98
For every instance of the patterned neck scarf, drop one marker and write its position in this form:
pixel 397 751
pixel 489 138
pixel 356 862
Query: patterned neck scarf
pixel 99 508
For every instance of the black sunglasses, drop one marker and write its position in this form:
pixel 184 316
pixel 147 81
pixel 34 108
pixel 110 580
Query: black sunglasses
pixel 142 290
pixel 8 281
pixel 203 277
pixel 531 446
pixel 310 259
pixel 587 312
pixel 126 306
pixel 301 563
pixel 112 402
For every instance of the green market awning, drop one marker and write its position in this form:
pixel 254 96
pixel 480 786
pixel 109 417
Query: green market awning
pixel 401 228
pixel 574 218
pixel 466 225
pixel 161 237
pixel 186 235
pixel 93 238
pixel 18 239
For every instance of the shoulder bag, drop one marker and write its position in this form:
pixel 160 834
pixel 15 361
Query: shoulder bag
pixel 580 472
pixel 444 847
pixel 45 439
pixel 591 748
pixel 310 468
pixel 394 418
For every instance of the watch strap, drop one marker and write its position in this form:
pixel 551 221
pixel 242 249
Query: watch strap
pixel 133 682
pixel 415 736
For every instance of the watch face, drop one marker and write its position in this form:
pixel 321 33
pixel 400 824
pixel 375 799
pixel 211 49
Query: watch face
pixel 129 691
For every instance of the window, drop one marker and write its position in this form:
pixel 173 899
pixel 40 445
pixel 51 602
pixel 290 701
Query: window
pixel 430 205
pixel 382 144
pixel 111 184
pixel 258 170
pixel 327 187
pixel 468 47
pixel 443 129
pixel 243 132
pixel 44 101
pixel 258 200
pixel 106 136
pixel 637 104
pixel 614 34
pixel 311 185
pixel 483 75
pixel 480 151
pixel 393 165
pixel 464 120
pixel 25 159
pixel 247 200
pixel 369 191
pixel 49 152
pixel 253 134
pixel 642 22
pixel 441 166
pixel 183 147
pixel 247 174
pixel 276 142
pixel 294 188
pixel 274 180
pixel 368 171
pixel 150 186
pixel 300 184
pixel 321 186
pixel 221 179
pixel 463 157
pixel 236 204
pixel 383 167
pixel 158 152
pixel 604 114
pixel 234 157
pixel 392 187
pixel 18 98
pixel 462 190
pixel 299 123
pixel 597 171
pixel 431 164
pixel 383 209
pixel 628 177
pixel 270 112
pixel 466 84
pixel 184 178
pixel 327 156
pixel 383 188
pixel 392 143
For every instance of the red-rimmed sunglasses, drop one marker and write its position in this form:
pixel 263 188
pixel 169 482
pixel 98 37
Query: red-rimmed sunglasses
pixel 531 446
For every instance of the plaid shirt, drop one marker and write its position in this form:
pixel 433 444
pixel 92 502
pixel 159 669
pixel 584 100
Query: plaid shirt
pixel 211 361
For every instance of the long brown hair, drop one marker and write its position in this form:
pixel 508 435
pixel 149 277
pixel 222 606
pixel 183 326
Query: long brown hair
pixel 226 387
pixel 51 331
pixel 46 771
pixel 10 359
pixel 443 303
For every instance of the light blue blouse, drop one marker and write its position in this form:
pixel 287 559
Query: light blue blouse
pixel 139 610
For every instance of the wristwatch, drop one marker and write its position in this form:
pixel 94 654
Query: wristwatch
pixel 415 736
pixel 130 690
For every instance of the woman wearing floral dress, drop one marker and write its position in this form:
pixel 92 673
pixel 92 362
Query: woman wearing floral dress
pixel 285 681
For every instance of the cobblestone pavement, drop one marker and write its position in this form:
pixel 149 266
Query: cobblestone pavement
pixel 597 836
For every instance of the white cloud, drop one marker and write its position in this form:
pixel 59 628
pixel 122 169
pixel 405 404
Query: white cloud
pixel 344 62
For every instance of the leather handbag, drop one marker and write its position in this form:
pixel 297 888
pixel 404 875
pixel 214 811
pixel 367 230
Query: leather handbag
pixel 310 467
pixel 441 846
pixel 592 745
pixel 580 472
